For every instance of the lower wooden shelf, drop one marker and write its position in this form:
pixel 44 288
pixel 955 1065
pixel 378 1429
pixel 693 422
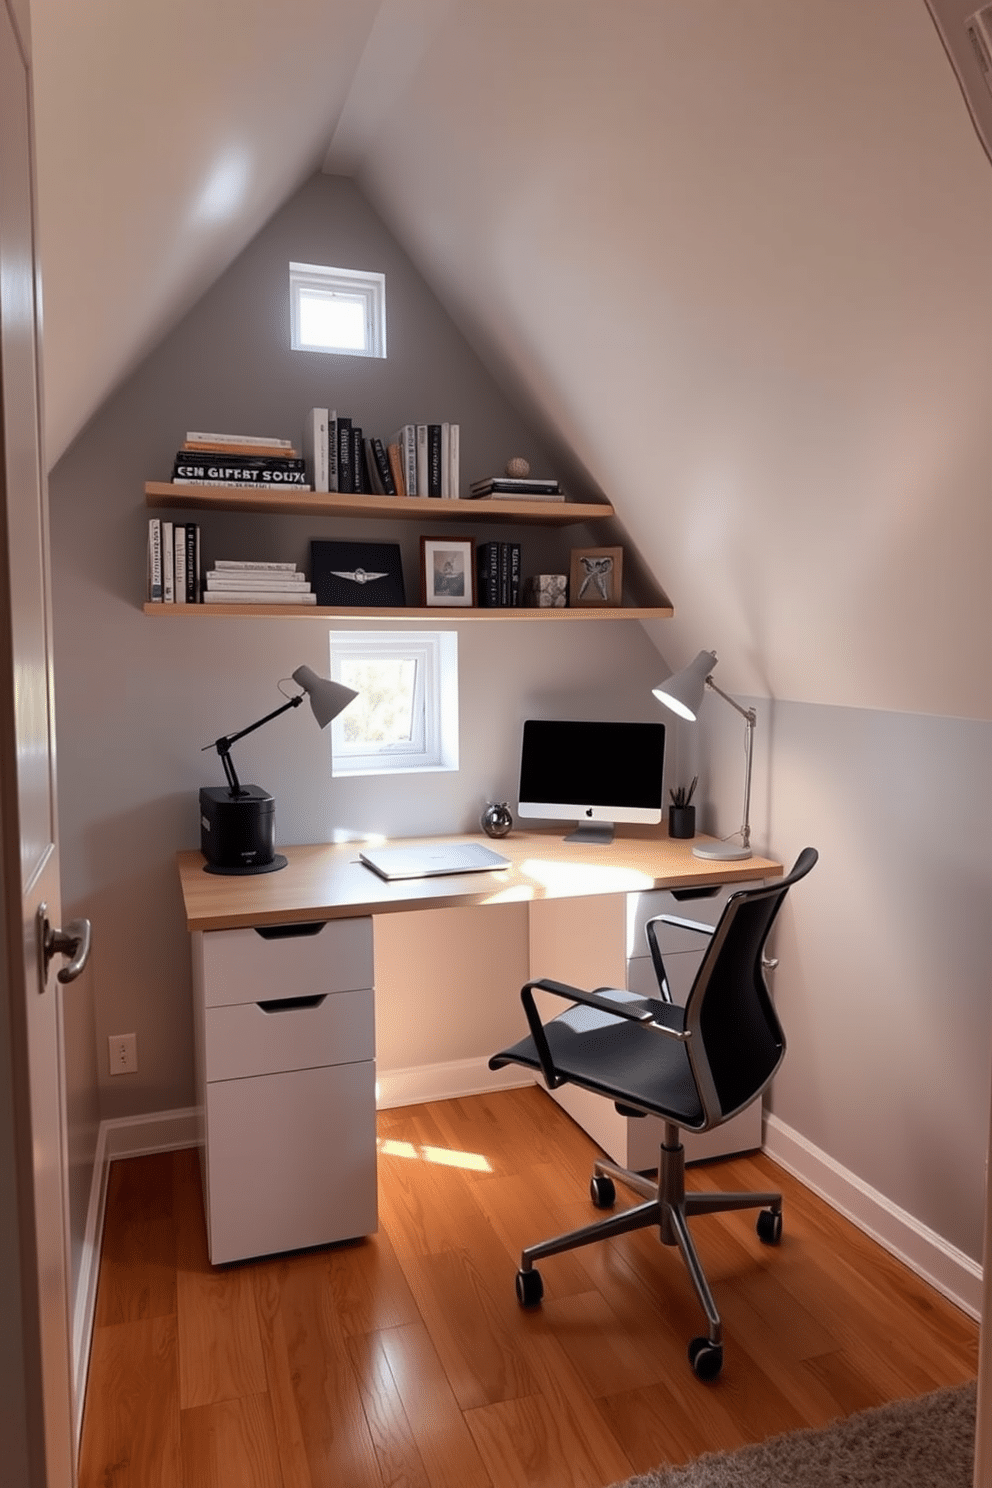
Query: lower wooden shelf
pixel 437 613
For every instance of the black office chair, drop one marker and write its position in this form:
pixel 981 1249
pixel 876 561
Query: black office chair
pixel 695 1067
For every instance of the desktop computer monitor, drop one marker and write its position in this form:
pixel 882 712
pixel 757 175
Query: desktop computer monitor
pixel 595 774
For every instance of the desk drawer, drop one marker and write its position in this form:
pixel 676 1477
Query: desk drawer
pixel 291 1161
pixel 242 966
pixel 249 1039
pixel 704 905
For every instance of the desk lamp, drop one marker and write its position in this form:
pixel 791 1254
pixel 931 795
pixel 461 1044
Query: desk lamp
pixel 683 693
pixel 238 825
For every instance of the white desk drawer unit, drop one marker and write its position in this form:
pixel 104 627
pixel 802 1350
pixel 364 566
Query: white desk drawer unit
pixel 285 1045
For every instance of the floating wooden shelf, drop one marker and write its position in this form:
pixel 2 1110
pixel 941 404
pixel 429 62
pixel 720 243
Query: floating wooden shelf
pixel 403 508
pixel 436 613
pixel 379 508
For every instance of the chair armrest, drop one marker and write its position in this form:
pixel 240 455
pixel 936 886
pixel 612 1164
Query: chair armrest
pixel 656 957
pixel 699 925
pixel 637 1010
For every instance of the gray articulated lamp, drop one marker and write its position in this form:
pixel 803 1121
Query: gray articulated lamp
pixel 238 825
pixel 683 693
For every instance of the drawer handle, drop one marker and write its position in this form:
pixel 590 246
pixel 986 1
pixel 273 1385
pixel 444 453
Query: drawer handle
pixel 287 932
pixel 291 1004
pixel 686 894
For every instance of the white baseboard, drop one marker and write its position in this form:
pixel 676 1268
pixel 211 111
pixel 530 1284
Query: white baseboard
pixel 939 1263
pixel 128 1136
pixel 427 1082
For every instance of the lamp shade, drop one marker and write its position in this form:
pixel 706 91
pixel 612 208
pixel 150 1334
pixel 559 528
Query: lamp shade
pixel 683 691
pixel 327 699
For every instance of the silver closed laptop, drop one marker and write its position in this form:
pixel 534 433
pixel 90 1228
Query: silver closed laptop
pixel 426 861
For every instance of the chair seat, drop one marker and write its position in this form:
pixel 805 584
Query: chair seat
pixel 630 1063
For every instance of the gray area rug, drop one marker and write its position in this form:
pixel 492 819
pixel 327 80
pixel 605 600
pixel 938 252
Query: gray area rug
pixel 928 1442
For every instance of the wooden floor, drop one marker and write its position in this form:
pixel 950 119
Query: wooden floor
pixel 404 1361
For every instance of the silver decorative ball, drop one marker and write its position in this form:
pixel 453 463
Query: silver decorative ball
pixel 518 467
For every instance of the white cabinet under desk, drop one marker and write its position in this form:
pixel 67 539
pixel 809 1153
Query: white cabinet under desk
pixel 285 1063
pixel 600 942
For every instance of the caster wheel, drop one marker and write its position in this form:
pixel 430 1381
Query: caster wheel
pixel 602 1191
pixel 706 1358
pixel 530 1288
pixel 769 1226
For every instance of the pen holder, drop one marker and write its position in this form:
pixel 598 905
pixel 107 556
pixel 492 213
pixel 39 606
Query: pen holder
pixel 681 821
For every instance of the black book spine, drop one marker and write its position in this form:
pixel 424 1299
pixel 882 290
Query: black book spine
pixel 231 468
pixel 433 459
pixel 192 563
pixel 381 459
pixel 514 575
pixel 487 573
pixel 345 478
pixel 504 575
pixel 359 472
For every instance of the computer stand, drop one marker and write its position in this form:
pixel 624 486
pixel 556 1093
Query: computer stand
pixel 592 832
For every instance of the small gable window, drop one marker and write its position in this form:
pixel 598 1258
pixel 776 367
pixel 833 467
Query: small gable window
pixel 337 310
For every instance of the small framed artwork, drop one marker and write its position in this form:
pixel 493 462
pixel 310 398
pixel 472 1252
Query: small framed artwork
pixel 367 575
pixel 596 577
pixel 447 572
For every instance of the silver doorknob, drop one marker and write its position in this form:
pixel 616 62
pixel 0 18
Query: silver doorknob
pixel 72 941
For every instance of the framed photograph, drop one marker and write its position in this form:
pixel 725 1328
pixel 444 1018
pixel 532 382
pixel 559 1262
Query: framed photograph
pixel 357 573
pixel 596 577
pixel 447 572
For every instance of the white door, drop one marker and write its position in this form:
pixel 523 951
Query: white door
pixel 35 1371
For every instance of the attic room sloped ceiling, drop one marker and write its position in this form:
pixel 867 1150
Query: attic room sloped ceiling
pixel 736 262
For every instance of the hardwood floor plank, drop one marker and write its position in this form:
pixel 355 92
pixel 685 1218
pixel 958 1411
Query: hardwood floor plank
pixel 131 1423
pixel 138 1259
pixel 404 1361
pixel 444 1443
pixel 231 1442
pixel 554 1438
pixel 315 1391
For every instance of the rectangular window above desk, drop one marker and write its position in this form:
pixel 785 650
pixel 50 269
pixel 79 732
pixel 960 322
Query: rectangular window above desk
pixel 406 715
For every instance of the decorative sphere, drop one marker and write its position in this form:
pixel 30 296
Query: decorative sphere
pixel 496 819
pixel 518 467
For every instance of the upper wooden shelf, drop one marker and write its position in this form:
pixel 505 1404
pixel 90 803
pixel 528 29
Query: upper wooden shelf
pixel 405 508
pixel 436 613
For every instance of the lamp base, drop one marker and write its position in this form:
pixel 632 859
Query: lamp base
pixel 727 852
pixel 279 861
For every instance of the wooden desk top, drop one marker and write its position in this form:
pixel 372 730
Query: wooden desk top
pixel 328 882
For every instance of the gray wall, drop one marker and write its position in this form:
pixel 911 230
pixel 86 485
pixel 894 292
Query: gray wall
pixel 886 949
pixel 138 697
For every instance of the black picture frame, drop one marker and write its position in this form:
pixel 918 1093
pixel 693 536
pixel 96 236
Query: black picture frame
pixel 359 575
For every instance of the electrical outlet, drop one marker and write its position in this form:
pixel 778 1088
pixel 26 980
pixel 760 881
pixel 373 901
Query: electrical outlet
pixel 123 1053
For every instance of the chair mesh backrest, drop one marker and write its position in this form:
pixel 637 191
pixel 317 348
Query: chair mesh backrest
pixel 737 1036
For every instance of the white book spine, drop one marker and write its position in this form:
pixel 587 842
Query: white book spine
pixel 315 448
pixel 168 563
pixel 258 597
pixel 155 560
pixel 238 565
pixel 179 542
pixel 446 492
pixel 454 462
pixel 422 486
pixel 276 444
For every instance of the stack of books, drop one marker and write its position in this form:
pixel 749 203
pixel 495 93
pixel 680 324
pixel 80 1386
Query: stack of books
pixel 497 569
pixel 173 562
pixel 233 582
pixel 419 460
pixel 244 460
pixel 528 488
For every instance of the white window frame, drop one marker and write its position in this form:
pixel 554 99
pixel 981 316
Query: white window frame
pixel 360 286
pixel 435 746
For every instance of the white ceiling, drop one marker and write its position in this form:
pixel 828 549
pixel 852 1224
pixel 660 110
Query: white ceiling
pixel 735 253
